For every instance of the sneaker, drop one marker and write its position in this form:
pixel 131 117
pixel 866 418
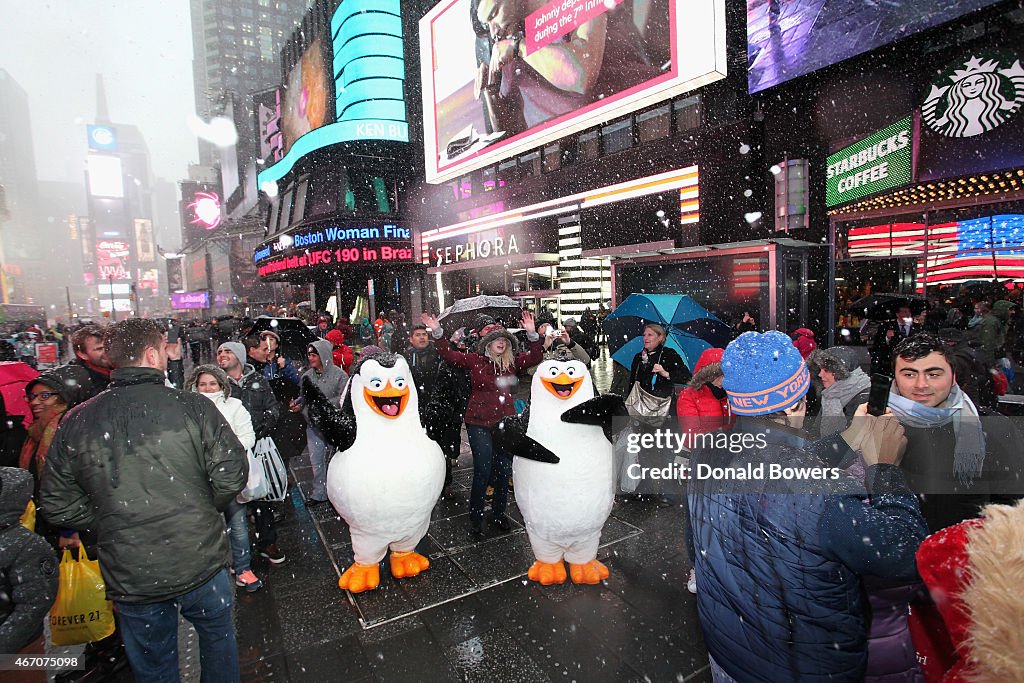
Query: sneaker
pixel 272 553
pixel 691 582
pixel 476 530
pixel 248 581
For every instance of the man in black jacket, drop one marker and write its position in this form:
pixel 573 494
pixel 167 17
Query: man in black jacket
pixel 87 343
pixel 437 384
pixel 150 468
pixel 253 390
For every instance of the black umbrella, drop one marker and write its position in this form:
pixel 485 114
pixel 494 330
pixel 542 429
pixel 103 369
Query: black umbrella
pixel 466 312
pixel 294 334
pixel 884 306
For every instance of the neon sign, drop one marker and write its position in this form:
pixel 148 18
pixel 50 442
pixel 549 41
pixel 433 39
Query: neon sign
pixel 314 260
pixel 205 208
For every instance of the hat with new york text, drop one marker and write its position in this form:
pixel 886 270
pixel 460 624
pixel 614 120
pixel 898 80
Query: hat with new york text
pixel 764 373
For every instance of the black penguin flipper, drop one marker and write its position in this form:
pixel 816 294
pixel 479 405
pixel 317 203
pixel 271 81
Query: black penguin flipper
pixel 511 437
pixel 599 411
pixel 337 426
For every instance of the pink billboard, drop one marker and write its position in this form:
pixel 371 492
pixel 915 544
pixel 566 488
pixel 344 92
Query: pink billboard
pixel 501 77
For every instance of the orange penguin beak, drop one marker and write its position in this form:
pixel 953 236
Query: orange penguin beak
pixel 389 402
pixel 563 386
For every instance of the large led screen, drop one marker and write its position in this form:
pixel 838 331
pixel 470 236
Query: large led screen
pixel 504 76
pixel 790 38
pixel 348 85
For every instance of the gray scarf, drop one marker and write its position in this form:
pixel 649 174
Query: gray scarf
pixel 969 452
pixel 835 398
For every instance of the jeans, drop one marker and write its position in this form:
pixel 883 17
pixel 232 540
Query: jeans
pixel 263 521
pixel 150 633
pixel 486 459
pixel 236 517
pixel 318 459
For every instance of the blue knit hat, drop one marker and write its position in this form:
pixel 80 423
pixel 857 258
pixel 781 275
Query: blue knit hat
pixel 764 373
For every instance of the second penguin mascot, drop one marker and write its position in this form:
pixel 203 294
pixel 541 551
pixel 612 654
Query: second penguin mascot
pixel 388 472
pixel 565 471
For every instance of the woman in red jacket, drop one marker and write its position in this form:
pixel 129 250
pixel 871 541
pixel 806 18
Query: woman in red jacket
pixel 340 353
pixel 702 407
pixel 493 369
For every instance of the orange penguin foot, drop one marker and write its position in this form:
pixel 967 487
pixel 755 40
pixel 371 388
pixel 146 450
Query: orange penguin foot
pixel 547 574
pixel 407 564
pixel 591 572
pixel 360 577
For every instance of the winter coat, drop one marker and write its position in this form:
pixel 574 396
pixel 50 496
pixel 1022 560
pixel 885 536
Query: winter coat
pixel 929 467
pixel 992 334
pixel 490 397
pixel 99 378
pixel 971 632
pixel 640 371
pixel 331 380
pixel 284 382
pixel 148 468
pixel 438 383
pixel 698 407
pixel 840 401
pixel 255 394
pixel 28 567
pixel 230 407
pixel 778 571
pixel 340 353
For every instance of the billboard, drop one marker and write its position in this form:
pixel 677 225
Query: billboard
pixel 105 176
pixel 348 84
pixel 970 116
pixel 175 274
pixel 328 246
pixel 102 138
pixel 144 246
pixel 267 108
pixel 497 83
pixel 877 163
pixel 112 260
pixel 200 210
pixel 187 300
pixel 790 38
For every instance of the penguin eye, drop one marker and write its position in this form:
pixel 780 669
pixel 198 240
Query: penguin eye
pixel 399 383
pixel 553 371
pixel 571 371
pixel 376 384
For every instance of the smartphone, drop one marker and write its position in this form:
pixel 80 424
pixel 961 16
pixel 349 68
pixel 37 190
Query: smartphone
pixel 878 399
pixel 173 334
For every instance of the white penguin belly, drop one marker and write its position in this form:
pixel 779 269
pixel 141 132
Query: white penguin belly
pixel 571 499
pixel 386 488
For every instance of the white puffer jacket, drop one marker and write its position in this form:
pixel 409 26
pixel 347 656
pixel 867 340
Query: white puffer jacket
pixel 237 416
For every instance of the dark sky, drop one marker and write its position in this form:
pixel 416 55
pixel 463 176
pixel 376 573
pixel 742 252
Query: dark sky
pixel 143 48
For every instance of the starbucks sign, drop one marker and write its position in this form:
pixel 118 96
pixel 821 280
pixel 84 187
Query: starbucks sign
pixel 974 96
pixel 875 164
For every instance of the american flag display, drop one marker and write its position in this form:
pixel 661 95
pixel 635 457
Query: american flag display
pixel 960 251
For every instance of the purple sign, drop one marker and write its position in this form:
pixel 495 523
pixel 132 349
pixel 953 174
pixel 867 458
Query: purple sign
pixel 190 300
pixel 221 299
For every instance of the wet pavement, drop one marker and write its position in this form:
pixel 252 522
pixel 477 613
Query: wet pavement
pixel 473 616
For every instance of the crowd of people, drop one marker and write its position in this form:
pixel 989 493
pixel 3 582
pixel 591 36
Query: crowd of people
pixel 146 469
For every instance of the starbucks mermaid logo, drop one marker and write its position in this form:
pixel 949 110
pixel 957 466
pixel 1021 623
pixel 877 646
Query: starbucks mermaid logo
pixel 982 95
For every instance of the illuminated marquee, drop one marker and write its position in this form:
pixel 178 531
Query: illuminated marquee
pixel 327 245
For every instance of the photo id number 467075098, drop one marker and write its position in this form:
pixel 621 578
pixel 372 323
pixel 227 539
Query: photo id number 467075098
pixel 40 662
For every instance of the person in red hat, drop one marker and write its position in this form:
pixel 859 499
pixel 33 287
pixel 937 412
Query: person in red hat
pixel 341 353
pixel 803 340
pixel 974 630
pixel 702 407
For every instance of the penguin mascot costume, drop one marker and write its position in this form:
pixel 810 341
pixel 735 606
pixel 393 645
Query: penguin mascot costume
pixel 564 469
pixel 387 473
